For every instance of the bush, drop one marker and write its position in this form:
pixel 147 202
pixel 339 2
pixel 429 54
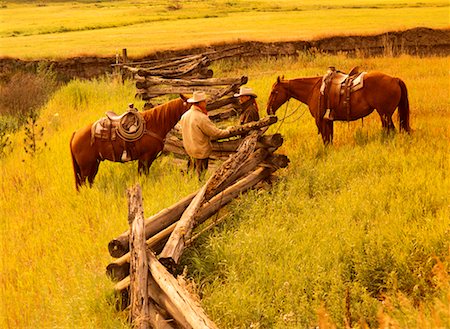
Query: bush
pixel 26 92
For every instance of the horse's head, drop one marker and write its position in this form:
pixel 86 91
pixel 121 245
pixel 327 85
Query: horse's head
pixel 186 105
pixel 278 96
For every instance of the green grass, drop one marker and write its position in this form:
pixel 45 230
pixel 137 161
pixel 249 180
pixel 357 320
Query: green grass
pixel 368 218
pixel 67 29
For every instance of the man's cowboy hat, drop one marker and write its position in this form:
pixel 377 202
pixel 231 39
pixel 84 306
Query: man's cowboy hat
pixel 245 91
pixel 197 97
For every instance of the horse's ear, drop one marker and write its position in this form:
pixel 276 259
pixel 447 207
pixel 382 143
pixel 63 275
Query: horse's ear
pixel 278 79
pixel 282 77
pixel 184 98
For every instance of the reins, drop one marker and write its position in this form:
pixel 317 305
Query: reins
pixel 290 114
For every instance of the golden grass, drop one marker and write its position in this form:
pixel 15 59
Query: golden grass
pixel 371 205
pixel 70 29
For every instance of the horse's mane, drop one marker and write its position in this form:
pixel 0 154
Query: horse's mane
pixel 164 114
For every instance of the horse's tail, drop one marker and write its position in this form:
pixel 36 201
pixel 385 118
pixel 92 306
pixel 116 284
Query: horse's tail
pixel 76 167
pixel 403 107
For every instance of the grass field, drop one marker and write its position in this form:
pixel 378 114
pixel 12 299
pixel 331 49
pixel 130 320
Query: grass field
pixel 356 234
pixel 67 29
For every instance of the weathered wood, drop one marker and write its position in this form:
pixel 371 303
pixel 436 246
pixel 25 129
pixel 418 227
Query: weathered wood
pixel 156 62
pixel 119 269
pixel 245 128
pixel 176 243
pixel 155 91
pixel 139 312
pixel 176 299
pixel 151 81
pixel 277 161
pixel 174 72
pixel 157 320
pixel 120 245
pixel 272 142
pixel 224 113
pixel 217 104
pixel 207 210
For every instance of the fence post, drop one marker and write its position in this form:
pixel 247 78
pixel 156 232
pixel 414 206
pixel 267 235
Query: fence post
pixel 138 261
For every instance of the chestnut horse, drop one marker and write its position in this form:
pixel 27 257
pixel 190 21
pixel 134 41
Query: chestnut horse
pixel 381 92
pixel 87 153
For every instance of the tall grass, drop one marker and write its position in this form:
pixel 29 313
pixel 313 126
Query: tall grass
pixel 351 235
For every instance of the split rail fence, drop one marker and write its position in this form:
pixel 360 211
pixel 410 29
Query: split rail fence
pixel 184 75
pixel 145 282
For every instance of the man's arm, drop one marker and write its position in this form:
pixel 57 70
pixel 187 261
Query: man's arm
pixel 210 129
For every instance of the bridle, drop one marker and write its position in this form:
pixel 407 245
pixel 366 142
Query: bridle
pixel 289 96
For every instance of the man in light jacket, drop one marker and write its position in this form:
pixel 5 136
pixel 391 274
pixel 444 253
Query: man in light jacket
pixel 198 130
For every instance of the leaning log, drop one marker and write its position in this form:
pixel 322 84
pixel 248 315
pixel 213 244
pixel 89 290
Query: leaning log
pixel 120 245
pixel 160 64
pixel 119 269
pixel 264 141
pixel 178 302
pixel 139 312
pixel 245 128
pixel 219 103
pixel 206 211
pixel 176 243
pixel 151 81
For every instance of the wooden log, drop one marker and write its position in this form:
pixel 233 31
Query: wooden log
pixel 157 81
pixel 120 246
pixel 176 243
pixel 170 61
pixel 157 320
pixel 224 113
pixel 139 312
pixel 175 72
pixel 245 128
pixel 264 141
pixel 277 161
pixel 175 298
pixel 118 269
pixel 206 211
pixel 217 104
pixel 154 91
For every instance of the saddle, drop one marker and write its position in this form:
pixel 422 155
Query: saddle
pixel 336 84
pixel 128 127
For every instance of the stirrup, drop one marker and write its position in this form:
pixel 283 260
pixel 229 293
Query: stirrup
pixel 125 157
pixel 327 115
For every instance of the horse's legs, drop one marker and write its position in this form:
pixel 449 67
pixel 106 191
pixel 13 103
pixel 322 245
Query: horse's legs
pixel 386 122
pixel 144 164
pixel 327 132
pixel 88 171
pixel 93 172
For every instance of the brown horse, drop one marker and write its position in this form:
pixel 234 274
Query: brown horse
pixel 88 152
pixel 380 91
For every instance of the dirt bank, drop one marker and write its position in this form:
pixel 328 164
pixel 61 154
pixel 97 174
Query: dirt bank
pixel 418 41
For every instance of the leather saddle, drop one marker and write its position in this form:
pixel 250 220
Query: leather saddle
pixel 336 84
pixel 129 126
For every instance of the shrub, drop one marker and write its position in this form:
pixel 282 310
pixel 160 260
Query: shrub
pixel 26 92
